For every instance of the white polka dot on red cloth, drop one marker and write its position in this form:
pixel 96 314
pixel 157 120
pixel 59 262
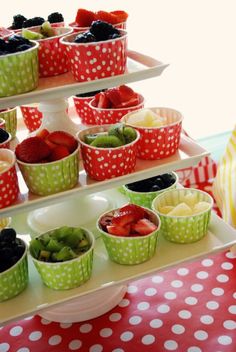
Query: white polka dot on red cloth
pixel 163 308
pixel 23 349
pixel 232 309
pixel 115 317
pixel 96 348
pixel 132 289
pixel 229 324
pixel 170 295
pixel 135 320
pixel 65 325
pixel 178 329
pixel 126 336
pixel 148 339
pixel 206 319
pixel 156 323
pixel 230 255
pixel 217 291
pixel 4 347
pixel 197 288
pixel 212 305
pixel 85 328
pixel 176 283
pixel 75 345
pixel 16 331
pixel 182 271
pixel 143 306
pixel 35 335
pixel 202 275
pixel 151 291
pixel 157 279
pixel 124 303
pixel 170 345
pixel 191 300
pixel 194 349
pixel 118 350
pixel 224 340
pixel 207 262
pixel 45 321
pixel 222 278
pixel 184 314
pixel 54 340
pixel 201 335
pixel 227 266
pixel 106 332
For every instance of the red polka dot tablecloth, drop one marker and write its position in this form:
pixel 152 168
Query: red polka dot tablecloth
pixel 190 308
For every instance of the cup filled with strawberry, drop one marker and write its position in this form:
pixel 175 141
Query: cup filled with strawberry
pixel 110 106
pixel 130 233
pixel 48 162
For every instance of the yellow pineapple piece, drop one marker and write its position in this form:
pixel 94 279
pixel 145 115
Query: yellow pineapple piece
pixel 166 209
pixel 190 199
pixel 182 209
pixel 200 207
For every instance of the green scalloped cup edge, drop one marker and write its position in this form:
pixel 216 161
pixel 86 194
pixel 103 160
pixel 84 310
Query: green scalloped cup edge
pixel 47 183
pixel 19 72
pixel 145 198
pixel 131 250
pixel 68 274
pixel 15 279
pixel 184 229
pixel 10 118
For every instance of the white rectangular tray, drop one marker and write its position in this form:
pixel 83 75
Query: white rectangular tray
pixel 189 153
pixel 139 67
pixel 106 273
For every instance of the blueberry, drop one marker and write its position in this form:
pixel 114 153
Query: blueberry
pixel 102 30
pixel 8 235
pixel 85 37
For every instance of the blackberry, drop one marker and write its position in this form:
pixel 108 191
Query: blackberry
pixel 2 52
pixel 31 22
pixel 14 42
pixel 89 94
pixel 85 37
pixel 102 30
pixel 3 44
pixel 8 235
pixel 55 17
pixel 114 36
pixel 3 135
pixel 18 21
pixel 23 47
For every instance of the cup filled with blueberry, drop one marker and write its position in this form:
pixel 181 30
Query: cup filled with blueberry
pixel 63 256
pixel 13 264
pixel 99 52
pixel 143 192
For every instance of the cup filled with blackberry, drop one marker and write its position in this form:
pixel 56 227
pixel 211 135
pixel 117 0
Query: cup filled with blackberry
pixel 143 192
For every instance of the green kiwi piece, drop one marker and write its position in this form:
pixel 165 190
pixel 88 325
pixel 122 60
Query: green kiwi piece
pixel 26 33
pixel 89 138
pixel 106 142
pixel 129 134
pixel 117 130
pixel 46 30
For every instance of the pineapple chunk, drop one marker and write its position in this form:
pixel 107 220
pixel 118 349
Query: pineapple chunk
pixel 200 207
pixel 182 209
pixel 166 209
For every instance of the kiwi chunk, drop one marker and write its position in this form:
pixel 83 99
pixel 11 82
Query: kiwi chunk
pixel 117 130
pixel 54 246
pixel 106 142
pixel 129 134
pixel 46 30
pixel 89 138
pixel 26 33
pixel 66 253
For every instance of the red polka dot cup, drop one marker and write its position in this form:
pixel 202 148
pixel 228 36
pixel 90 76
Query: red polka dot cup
pixel 32 116
pixel 84 111
pixel 9 188
pixel 91 61
pixel 52 57
pixel 159 142
pixel 106 163
pixel 110 116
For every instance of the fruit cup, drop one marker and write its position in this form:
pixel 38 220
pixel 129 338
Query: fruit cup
pixel 159 142
pixel 130 250
pixel 52 57
pixel 110 116
pixel 145 198
pixel 83 110
pixel 187 227
pixel 15 279
pixel 106 163
pixel 10 117
pixel 9 189
pixel 95 60
pixel 66 274
pixel 32 116
pixel 19 71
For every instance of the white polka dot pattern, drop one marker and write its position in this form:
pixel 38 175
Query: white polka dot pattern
pixel 9 188
pixel 91 61
pixel 32 117
pixel 84 111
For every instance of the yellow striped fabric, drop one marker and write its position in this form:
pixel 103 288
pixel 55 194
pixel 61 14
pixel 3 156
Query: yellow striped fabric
pixel 224 185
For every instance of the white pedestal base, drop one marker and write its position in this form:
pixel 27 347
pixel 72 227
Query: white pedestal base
pixel 86 307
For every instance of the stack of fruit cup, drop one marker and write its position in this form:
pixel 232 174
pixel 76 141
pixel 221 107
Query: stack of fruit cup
pixel 10 117
pixel 63 257
pixel 103 161
pixel 9 190
pixel 13 264
pixel 32 116
pixel 184 213
pixel 130 233
pixel 160 130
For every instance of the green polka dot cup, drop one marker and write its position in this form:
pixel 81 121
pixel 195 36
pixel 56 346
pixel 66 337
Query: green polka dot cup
pixel 68 274
pixel 19 72
pixel 10 118
pixel 131 250
pixel 145 198
pixel 185 228
pixel 15 279
pixel 48 178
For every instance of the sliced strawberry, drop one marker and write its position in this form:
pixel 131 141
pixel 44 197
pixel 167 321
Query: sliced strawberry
pixel 126 92
pixel 103 101
pixel 118 230
pixel 121 16
pixel 43 133
pixel 132 102
pixel 144 227
pixel 32 150
pixel 138 211
pixel 123 218
pixel 84 18
pixel 63 138
pixel 59 152
pixel 114 96
pixel 106 16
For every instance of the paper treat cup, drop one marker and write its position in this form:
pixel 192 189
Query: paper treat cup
pixel 106 163
pixel 84 111
pixel 110 116
pixel 159 142
pixel 183 229
pixel 52 57
pixel 14 280
pixel 19 71
pixel 91 61
pixel 9 188
pixel 32 117
pixel 53 177
pixel 6 144
pixel 131 250
pixel 68 274
pixel 2 124
pixel 145 198
pixel 10 117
